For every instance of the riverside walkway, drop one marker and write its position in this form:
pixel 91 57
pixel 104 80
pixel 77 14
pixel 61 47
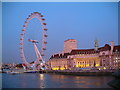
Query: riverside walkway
pixel 83 73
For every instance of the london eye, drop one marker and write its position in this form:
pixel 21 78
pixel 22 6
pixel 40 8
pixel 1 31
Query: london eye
pixel 39 61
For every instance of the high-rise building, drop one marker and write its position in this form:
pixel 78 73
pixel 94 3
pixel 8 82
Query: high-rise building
pixel 69 45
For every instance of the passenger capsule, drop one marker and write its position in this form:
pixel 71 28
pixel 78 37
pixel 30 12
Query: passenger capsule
pixel 23 29
pixel 42 54
pixel 35 12
pixel 25 21
pixel 43 19
pixel 45 42
pixel 41 15
pixel 45 29
pixel 46 35
pixel 21 39
pixel 44 48
pixel 21 34
pixel 21 47
pixel 24 25
pixel 44 23
pixel 27 18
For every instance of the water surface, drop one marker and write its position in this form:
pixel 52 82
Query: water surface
pixel 29 80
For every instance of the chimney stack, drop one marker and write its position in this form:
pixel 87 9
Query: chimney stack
pixel 112 46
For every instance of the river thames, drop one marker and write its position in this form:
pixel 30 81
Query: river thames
pixel 36 80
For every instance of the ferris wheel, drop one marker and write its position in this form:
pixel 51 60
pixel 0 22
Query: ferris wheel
pixel 39 53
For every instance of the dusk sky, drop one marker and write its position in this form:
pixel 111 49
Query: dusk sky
pixel 84 22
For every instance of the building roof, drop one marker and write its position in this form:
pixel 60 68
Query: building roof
pixel 83 51
pixel 105 48
pixel 87 51
pixel 60 55
pixel 69 40
pixel 116 48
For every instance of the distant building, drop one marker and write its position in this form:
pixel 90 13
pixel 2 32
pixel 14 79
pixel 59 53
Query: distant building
pixel 96 44
pixel 107 57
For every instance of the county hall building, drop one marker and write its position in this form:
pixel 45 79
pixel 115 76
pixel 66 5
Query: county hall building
pixel 106 57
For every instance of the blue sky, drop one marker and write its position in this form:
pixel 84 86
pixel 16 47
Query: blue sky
pixel 65 20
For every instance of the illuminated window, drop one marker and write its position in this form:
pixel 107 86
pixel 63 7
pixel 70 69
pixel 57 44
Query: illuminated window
pixel 104 68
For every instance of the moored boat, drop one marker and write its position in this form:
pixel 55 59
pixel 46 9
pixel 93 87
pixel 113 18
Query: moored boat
pixel 31 71
pixel 13 72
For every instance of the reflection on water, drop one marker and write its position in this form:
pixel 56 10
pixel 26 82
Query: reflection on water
pixel 54 81
pixel 42 83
